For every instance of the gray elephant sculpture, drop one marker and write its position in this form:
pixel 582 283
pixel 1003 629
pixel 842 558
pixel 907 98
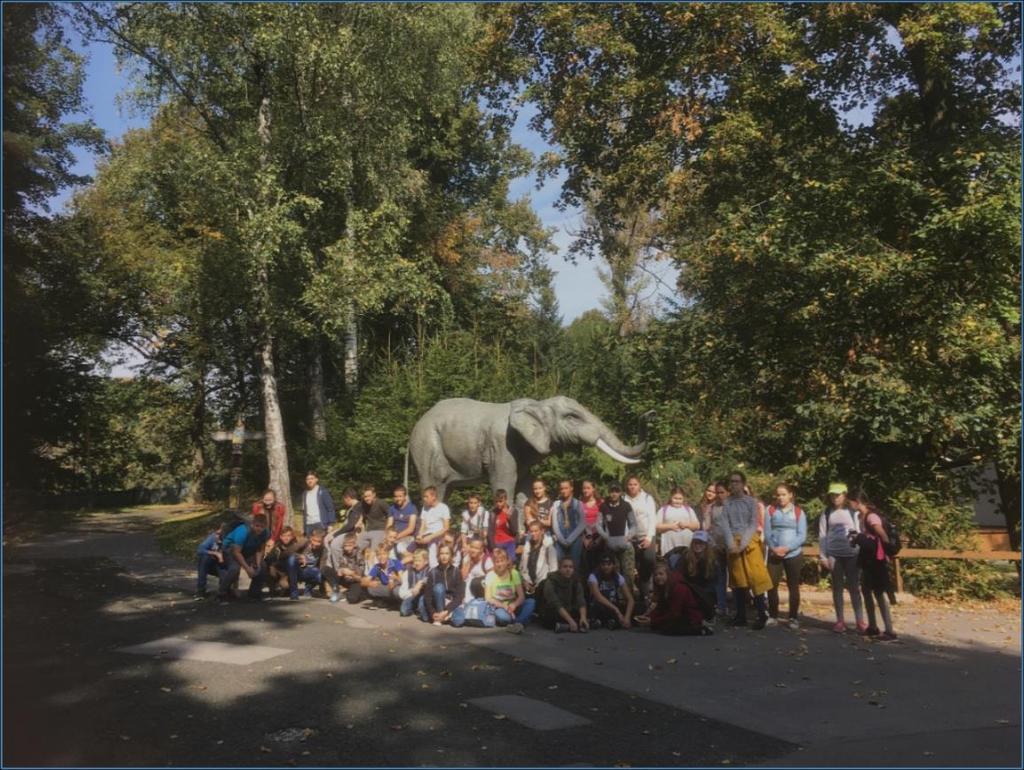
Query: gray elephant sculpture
pixel 460 441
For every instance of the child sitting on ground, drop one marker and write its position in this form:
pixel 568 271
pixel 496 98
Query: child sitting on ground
pixel 344 570
pixel 383 578
pixel 307 564
pixel 210 558
pixel 503 590
pixel 288 544
pixel 611 601
pixel 412 589
pixel 564 606
pixel 675 611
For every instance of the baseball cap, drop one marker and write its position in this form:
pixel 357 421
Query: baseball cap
pixel 701 536
pixel 837 488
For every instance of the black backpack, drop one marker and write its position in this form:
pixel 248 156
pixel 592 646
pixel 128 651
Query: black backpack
pixel 893 533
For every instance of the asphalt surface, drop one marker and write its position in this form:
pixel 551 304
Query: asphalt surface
pixel 367 688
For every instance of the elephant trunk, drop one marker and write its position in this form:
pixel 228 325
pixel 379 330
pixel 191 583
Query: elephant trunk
pixel 613 446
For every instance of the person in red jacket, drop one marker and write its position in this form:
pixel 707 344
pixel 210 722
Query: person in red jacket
pixel 275 513
pixel 675 610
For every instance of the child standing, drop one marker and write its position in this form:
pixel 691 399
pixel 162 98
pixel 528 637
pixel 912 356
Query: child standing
pixel 874 564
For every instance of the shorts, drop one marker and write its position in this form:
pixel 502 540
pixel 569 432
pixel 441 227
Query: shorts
pixel 874 576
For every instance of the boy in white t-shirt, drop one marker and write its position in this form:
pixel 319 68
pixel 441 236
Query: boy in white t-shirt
pixel 434 520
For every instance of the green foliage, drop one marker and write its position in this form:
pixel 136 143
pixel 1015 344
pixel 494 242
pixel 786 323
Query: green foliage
pixel 180 535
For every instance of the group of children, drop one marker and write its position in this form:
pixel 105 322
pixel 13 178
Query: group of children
pixel 572 563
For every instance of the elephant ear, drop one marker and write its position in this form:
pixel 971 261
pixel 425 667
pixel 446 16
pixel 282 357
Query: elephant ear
pixel 532 420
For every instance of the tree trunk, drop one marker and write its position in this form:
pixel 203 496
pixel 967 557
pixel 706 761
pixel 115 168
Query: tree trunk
pixel 317 417
pixel 277 452
pixel 197 434
pixel 1009 501
pixel 273 424
pixel 351 352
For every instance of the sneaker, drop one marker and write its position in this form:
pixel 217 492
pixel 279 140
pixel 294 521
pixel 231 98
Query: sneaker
pixel 612 625
pixel 839 627
pixel 887 636
pixel 596 623
pixel 862 627
pixel 583 629
pixel 334 597
pixel 794 624
pixel 438 623
pixel 514 628
pixel 294 597
pixel 706 631
pixel 760 623
pixel 199 596
pixel 309 591
pixel 228 597
pixel 871 631
pixel 561 628
pixel 771 622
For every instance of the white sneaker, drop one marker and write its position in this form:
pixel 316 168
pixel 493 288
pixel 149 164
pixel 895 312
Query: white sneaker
pixel 514 628
pixel 771 623
pixel 794 624
pixel 438 623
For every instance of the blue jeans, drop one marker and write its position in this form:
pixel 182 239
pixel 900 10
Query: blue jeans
pixel 309 575
pixel 230 574
pixel 415 604
pixel 504 618
pixel 458 617
pixel 721 578
pixel 206 565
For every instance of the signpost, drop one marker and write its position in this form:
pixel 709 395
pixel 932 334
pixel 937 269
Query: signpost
pixel 237 437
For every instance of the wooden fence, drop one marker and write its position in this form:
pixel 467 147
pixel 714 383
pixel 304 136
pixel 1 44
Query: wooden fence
pixel 929 553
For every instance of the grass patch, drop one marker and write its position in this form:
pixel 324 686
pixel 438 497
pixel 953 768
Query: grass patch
pixel 181 535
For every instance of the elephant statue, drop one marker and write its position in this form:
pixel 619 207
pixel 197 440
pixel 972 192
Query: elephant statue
pixel 460 441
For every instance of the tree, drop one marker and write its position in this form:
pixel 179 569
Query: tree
pixel 857 285
pixel 345 167
pixel 55 313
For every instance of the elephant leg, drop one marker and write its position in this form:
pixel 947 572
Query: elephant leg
pixel 524 484
pixel 503 477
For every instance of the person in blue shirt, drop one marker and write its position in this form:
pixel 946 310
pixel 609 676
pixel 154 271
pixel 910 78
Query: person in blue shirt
pixel 243 549
pixel 209 559
pixel 785 531
pixel 383 578
pixel 403 516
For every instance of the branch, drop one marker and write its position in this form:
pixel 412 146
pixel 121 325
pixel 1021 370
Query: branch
pixel 124 42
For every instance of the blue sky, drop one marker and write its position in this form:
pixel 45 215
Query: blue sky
pixel 577 287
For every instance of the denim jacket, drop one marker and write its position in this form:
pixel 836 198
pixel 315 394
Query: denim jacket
pixel 567 521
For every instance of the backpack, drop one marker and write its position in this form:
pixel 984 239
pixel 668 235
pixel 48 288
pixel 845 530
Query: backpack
pixel 479 614
pixel 893 533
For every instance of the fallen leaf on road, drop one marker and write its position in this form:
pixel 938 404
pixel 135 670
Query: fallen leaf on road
pixel 264 749
pixel 174 736
pixel 125 737
pixel 305 753
pixel 165 689
pixel 499 716
pixel 397 728
pixel 424 686
pixel 671 661
pixel 463 705
pixel 421 673
pixel 330 675
pixel 552 686
pixel 676 754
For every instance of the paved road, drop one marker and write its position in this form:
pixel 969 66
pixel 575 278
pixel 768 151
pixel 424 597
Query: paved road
pixel 344 685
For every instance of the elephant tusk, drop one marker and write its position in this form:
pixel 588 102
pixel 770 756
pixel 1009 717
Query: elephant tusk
pixel 615 455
